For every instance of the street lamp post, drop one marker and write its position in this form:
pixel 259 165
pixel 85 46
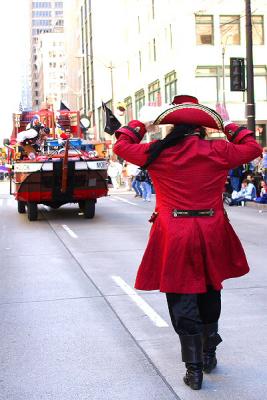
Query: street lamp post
pixel 111 67
pixel 250 106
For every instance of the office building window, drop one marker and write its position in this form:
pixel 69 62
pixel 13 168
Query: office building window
pixel 204 29
pixel 154 97
pixel 139 101
pixel 170 35
pixel 129 109
pixel 230 29
pixel 260 82
pixel 170 86
pixel 154 50
pixel 212 86
pixel 153 8
pixel 138 24
pixel 257 29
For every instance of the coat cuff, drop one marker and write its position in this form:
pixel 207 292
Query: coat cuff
pixel 236 133
pixel 134 130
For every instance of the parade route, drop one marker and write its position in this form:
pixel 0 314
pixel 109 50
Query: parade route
pixel 72 327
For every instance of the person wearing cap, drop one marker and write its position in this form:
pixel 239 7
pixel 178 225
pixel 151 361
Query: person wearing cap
pixel 192 247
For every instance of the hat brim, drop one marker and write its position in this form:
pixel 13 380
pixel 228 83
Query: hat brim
pixel 192 114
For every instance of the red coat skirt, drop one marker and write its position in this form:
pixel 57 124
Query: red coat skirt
pixel 186 254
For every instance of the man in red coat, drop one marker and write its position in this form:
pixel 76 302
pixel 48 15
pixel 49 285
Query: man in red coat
pixel 192 246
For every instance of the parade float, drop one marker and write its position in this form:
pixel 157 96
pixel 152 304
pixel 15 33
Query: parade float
pixel 51 164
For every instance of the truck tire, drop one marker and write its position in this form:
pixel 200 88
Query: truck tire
pixel 21 207
pixel 32 211
pixel 81 204
pixel 89 209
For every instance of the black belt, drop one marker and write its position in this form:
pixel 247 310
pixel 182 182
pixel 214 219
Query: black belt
pixel 193 213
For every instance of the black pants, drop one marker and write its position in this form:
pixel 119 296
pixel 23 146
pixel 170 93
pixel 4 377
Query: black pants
pixel 189 312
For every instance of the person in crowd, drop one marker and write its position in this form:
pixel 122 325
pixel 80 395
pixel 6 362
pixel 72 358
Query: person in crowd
pixel 136 183
pixel 247 193
pixel 114 171
pixel 235 175
pixel 264 164
pixel 125 177
pixel 253 184
pixel 132 171
pixel 227 192
pixel 146 184
pixel 262 198
pixel 192 246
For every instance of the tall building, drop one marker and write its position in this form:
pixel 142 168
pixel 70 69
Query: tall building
pixel 51 68
pixel 46 17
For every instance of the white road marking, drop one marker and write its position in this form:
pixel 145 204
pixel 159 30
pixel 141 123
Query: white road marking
pixel 1 202
pixel 142 304
pixel 112 199
pixel 125 201
pixel 70 232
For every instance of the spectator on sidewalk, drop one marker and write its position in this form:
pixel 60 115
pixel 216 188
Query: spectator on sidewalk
pixel 247 193
pixel 146 185
pixel 114 171
pixel 264 164
pixel 262 198
pixel 136 184
pixel 235 175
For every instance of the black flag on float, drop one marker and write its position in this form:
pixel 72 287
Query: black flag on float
pixel 63 106
pixel 112 124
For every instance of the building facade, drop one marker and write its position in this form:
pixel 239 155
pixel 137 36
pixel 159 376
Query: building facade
pixel 45 17
pixel 145 52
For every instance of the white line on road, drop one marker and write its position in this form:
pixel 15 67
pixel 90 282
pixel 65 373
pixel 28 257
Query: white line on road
pixel 125 201
pixel 1 202
pixel 142 304
pixel 70 232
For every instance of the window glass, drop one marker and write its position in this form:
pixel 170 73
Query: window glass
pixel 170 86
pixel 154 93
pixel 257 29
pixel 129 109
pixel 260 88
pixel 139 101
pixel 204 29
pixel 230 29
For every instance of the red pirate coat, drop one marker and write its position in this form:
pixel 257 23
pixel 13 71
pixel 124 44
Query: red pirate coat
pixel 186 254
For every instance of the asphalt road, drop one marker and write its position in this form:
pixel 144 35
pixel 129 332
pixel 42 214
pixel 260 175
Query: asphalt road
pixel 72 327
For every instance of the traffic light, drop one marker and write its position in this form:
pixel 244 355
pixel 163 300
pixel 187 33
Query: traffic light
pixel 237 74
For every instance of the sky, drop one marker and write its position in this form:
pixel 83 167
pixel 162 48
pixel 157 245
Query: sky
pixel 14 34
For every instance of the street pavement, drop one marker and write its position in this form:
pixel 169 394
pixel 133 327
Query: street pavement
pixel 73 328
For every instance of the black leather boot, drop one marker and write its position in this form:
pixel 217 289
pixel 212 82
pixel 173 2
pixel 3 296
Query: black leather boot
pixel 191 346
pixel 211 339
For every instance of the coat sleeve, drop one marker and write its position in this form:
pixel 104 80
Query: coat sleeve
pixel 242 149
pixel 128 144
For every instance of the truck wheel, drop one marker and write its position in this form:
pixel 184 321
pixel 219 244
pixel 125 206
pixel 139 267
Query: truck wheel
pixel 89 209
pixel 21 207
pixel 81 205
pixel 32 211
